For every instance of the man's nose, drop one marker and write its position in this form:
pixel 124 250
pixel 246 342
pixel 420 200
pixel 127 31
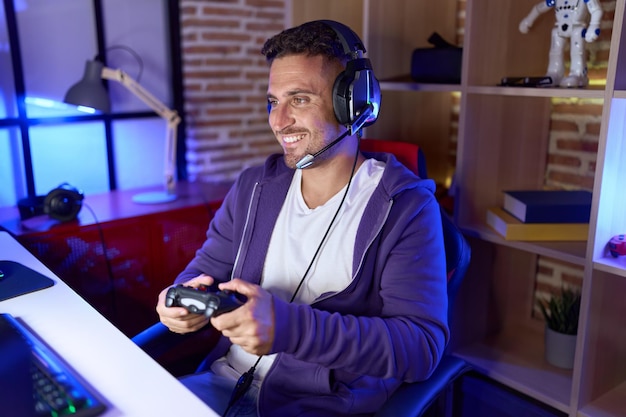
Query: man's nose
pixel 280 117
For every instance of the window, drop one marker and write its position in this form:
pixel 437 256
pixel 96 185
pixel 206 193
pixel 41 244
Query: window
pixel 43 49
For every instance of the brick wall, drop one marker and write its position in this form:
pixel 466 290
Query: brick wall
pixel 225 83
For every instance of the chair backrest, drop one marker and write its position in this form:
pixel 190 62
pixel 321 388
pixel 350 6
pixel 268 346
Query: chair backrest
pixel 458 255
pixel 458 251
pixel 410 154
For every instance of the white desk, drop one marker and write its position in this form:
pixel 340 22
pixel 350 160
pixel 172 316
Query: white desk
pixel 131 382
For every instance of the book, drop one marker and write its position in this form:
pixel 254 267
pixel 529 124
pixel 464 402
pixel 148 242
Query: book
pixel 512 228
pixel 549 206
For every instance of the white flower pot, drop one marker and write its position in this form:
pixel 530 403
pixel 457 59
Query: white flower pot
pixel 560 348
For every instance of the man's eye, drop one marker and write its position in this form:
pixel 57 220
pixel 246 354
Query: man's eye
pixel 299 101
pixel 271 103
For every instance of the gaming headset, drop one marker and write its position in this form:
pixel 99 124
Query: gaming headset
pixel 356 88
pixel 62 203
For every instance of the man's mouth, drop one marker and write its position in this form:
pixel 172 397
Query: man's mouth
pixel 293 138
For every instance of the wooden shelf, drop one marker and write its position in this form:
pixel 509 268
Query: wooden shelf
pixel 611 404
pixel 515 358
pixel 589 93
pixel 405 83
pixel 572 252
pixel 616 266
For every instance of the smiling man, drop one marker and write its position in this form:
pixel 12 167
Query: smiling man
pixel 339 254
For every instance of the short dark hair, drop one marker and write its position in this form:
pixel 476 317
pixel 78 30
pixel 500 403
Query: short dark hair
pixel 311 38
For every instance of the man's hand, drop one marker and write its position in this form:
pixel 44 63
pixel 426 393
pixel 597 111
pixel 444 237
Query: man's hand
pixel 250 326
pixel 178 319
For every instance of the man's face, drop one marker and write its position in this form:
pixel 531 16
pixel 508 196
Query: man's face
pixel 301 106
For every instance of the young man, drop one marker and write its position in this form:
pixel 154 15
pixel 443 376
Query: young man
pixel 342 262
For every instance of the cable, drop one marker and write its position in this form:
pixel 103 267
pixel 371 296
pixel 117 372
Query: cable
pixel 243 383
pixel 133 53
pixel 107 261
pixel 319 248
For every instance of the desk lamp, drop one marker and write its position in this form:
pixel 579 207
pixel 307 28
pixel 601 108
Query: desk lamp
pixel 90 92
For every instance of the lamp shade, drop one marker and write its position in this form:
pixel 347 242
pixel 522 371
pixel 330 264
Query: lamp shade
pixel 90 92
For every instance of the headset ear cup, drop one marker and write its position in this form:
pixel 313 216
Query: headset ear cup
pixel 341 99
pixel 63 203
pixel 353 90
pixel 356 87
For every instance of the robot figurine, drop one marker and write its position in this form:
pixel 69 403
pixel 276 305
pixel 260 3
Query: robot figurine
pixel 571 22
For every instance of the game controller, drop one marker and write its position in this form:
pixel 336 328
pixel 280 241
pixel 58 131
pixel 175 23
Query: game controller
pixel 203 300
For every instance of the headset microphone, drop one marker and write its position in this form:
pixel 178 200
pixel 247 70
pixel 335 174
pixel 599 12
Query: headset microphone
pixel 308 159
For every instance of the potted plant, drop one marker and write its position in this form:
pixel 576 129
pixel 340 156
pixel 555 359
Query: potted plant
pixel 561 315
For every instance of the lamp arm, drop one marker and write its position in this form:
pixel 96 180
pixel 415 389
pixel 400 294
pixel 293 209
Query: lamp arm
pixel 171 117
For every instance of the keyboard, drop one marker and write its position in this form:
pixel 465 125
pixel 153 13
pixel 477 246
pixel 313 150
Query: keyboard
pixel 54 388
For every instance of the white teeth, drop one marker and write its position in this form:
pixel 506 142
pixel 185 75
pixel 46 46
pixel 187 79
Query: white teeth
pixel 292 139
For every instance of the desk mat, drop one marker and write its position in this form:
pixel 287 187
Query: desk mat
pixel 17 279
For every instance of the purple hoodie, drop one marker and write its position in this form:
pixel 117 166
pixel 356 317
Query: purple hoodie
pixel 349 351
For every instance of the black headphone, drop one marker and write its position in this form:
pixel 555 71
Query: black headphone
pixel 356 88
pixel 62 203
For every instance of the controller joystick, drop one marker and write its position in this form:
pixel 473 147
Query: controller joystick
pixel 203 300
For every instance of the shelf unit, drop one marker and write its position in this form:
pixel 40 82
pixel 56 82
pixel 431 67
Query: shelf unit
pixel 502 139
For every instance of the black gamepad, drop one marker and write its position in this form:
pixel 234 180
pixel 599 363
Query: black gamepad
pixel 203 300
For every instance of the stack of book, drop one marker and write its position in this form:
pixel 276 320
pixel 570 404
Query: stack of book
pixel 542 215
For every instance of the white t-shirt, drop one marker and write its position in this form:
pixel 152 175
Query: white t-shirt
pixel 295 239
